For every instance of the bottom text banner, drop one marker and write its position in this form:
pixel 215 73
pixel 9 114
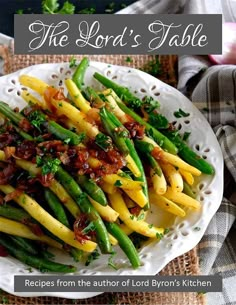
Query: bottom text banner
pixel 94 283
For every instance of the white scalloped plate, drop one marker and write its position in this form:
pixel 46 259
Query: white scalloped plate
pixel 185 232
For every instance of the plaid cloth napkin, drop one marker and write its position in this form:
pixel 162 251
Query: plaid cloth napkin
pixel 213 90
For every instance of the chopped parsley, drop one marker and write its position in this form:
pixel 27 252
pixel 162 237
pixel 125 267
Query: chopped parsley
pixel 149 104
pixel 141 216
pixel 128 59
pixel 150 226
pixel 167 230
pixel 72 62
pixel 110 8
pixel 20 12
pixel 153 67
pixel 53 7
pixel 158 121
pixel 118 183
pixel 90 228
pixel 88 10
pixel 110 261
pixel 67 141
pixel 159 235
pixel 197 229
pixel 94 255
pixel 137 239
pixel 37 119
pixel 186 136
pixel 5 300
pixel 180 113
pixel 132 217
pixel 48 165
pixel 103 141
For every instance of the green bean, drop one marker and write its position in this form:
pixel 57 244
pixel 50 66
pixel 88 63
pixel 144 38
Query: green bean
pixel 23 217
pixel 16 214
pixel 15 117
pixel 60 214
pixel 92 189
pixel 77 254
pixel 125 243
pixel 116 134
pixel 189 155
pixel 46 254
pixel 78 76
pixel 86 207
pixel 188 191
pixel 64 134
pixel 122 92
pixel 42 264
pixel 23 134
pixel 133 153
pixel 145 149
pixel 160 138
pixel 56 206
pixel 26 244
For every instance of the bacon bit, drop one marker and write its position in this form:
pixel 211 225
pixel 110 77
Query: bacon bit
pixel 55 145
pixel 135 210
pixel 136 130
pixel 35 228
pixel 3 251
pixel 25 125
pixel 7 139
pixel 7 174
pixel 157 153
pixel 80 224
pixel 13 195
pixel 64 158
pixel 93 116
pixel 9 151
pixel 59 95
pixel 46 180
pixel 25 150
pixel 49 93
pixel 128 118
pixel 2 199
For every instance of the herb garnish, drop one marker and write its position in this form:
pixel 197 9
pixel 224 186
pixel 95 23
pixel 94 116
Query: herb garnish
pixel 158 121
pixel 72 62
pixel 110 8
pixel 36 118
pixel 118 183
pixel 180 113
pixel 186 136
pixel 159 235
pixel 141 216
pixel 153 67
pixel 48 165
pixel 149 104
pixel 90 228
pixel 94 255
pixel 128 59
pixel 52 7
pixel 110 261
pixel 88 10
pixel 103 141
